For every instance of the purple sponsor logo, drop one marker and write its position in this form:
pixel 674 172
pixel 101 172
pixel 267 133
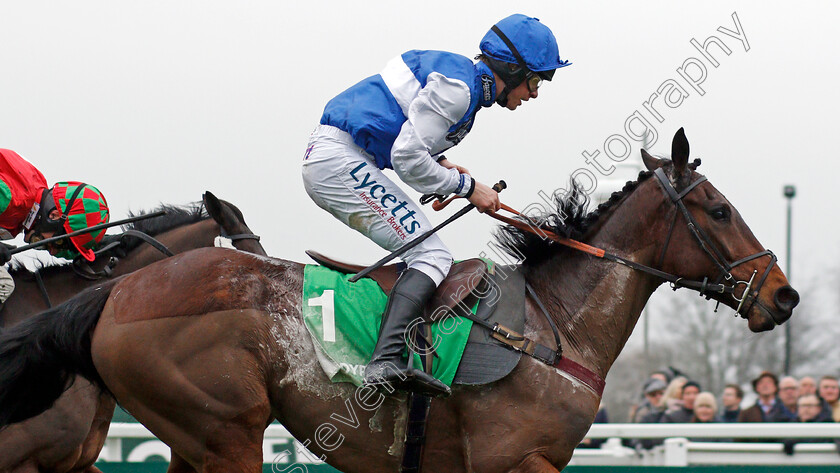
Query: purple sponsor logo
pixel 386 204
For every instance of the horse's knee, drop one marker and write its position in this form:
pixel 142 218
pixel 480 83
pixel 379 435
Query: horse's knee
pixel 535 463
pixel 177 464
pixel 234 457
pixel 236 444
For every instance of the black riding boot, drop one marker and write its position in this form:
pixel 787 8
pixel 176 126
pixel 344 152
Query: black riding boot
pixel 406 303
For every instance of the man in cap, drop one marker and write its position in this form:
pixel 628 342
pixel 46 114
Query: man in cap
pixel 421 104
pixel 684 412
pixel 28 205
pixel 653 390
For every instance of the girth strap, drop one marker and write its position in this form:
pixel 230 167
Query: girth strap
pixel 554 329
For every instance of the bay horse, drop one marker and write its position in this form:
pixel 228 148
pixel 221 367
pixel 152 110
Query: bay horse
pixel 221 348
pixel 69 436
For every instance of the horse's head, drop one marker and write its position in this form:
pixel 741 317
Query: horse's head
pixel 707 240
pixel 232 224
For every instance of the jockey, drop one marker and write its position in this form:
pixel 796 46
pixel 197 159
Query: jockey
pixel 421 104
pixel 28 205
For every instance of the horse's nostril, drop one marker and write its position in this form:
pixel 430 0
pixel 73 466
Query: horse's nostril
pixel 786 298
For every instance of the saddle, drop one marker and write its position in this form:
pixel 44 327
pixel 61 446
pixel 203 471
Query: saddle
pixel 464 285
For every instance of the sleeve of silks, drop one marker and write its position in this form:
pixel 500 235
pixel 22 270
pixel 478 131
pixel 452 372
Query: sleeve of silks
pixel 438 106
pixel 20 185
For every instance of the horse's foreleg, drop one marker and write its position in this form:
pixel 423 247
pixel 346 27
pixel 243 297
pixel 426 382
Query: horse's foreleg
pixel 95 439
pixel 178 465
pixel 535 463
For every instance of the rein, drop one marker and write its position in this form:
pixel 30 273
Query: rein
pixel 83 269
pixel 704 287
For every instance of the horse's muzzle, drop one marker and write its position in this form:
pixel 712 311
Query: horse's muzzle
pixel 786 298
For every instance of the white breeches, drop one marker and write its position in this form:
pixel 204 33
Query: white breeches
pixel 344 180
pixel 7 284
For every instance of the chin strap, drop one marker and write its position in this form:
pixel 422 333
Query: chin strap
pixel 506 77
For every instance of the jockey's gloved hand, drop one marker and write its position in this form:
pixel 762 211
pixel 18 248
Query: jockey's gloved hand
pixel 5 253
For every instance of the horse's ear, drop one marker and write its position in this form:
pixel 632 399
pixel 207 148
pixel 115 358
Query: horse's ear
pixel 213 206
pixel 226 214
pixel 679 153
pixel 651 162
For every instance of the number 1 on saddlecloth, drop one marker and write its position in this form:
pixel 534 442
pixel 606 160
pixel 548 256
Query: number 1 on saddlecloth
pixel 327 305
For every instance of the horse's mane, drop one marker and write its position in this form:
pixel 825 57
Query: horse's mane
pixel 176 216
pixel 569 219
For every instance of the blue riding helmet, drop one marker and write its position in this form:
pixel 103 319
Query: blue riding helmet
pixel 524 42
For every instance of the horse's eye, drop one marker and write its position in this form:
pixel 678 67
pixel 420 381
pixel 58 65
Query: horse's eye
pixel 720 213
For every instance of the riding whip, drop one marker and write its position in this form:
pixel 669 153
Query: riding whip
pixel 94 228
pixel 498 187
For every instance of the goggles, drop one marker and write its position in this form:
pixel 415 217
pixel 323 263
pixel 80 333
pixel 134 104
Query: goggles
pixel 38 218
pixel 38 221
pixel 38 236
pixel 534 81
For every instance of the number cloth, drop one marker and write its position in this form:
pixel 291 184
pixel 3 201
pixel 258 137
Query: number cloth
pixel 343 319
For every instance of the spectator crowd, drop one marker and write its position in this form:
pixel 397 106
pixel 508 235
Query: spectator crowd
pixel 669 397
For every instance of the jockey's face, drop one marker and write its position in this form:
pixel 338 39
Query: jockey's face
pixel 35 235
pixel 520 93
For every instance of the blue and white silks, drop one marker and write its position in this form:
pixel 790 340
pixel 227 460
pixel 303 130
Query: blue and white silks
pixel 421 104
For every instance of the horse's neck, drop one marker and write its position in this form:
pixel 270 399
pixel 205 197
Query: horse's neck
pixel 596 302
pixel 178 240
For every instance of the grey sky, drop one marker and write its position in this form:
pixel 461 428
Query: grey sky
pixel 156 101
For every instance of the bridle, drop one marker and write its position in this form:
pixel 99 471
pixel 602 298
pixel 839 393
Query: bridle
pixel 748 297
pixel 239 236
pixel 724 283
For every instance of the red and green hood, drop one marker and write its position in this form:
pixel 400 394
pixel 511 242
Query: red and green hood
pixel 88 209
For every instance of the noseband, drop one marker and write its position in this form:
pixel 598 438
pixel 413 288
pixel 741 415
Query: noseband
pixel 725 282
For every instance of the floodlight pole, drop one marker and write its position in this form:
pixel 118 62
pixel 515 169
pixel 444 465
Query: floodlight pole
pixel 789 193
